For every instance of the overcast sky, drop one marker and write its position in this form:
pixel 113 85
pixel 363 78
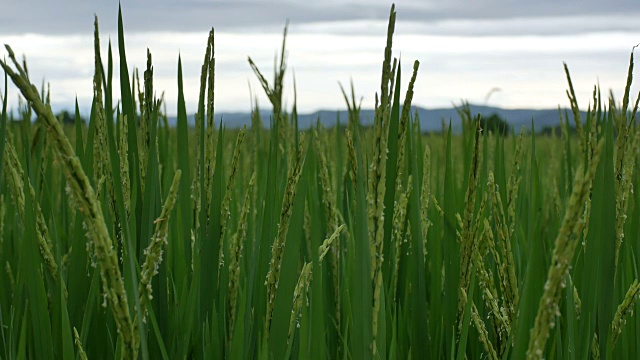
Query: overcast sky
pixel 466 48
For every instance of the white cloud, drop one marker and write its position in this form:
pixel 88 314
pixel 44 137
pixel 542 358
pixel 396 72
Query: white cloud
pixel 456 63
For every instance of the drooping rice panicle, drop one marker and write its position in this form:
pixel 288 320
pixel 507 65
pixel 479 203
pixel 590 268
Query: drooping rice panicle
pixel 437 205
pixel 153 253
pixel 595 347
pixel 508 279
pixel 299 294
pixel 224 208
pixel 376 180
pixel 482 330
pixel 87 203
pixel 353 163
pixel 402 127
pixel 199 189
pixel 277 250
pixel 497 258
pixel 352 107
pixel 16 182
pixel 497 315
pixel 377 169
pixel 624 312
pixel 235 250
pixel 392 77
pixel 562 256
pixel 144 129
pixel 326 244
pixel 468 240
pixel 274 93
pixel 425 194
pixel 146 109
pixel 399 212
pixel 594 129
pixel 124 162
pixel 101 168
pixel 576 111
pixel 78 342
pixel 624 162
pixel 210 146
pixel 397 233
pixel 306 227
pixel 12 280
pixel 514 182
pixel 331 213
pixel 577 302
pixel 478 226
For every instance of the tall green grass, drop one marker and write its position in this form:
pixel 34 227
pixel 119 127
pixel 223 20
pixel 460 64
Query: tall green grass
pixel 126 238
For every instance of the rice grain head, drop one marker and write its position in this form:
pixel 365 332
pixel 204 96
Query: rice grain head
pixel 277 250
pixel 624 312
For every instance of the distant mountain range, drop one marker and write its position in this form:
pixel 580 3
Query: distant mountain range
pixel 430 119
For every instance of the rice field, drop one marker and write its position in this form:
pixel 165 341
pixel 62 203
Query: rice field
pixel 127 238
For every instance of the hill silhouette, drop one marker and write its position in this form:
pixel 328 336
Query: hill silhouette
pixel 431 120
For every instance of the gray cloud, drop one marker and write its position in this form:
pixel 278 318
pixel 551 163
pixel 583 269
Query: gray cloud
pixel 76 16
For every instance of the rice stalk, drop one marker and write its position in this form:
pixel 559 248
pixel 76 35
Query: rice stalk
pixel 87 203
pixel 352 107
pixel 425 194
pixel 498 316
pixel 468 238
pixel 595 347
pixel 402 127
pixel 274 93
pixel 12 279
pixel 200 191
pixel 563 252
pixel 514 183
pixel 145 99
pixel 377 169
pixel 210 146
pixel 353 162
pixel 153 253
pixel 624 163
pixel 224 208
pixel 124 162
pixel 277 250
pixel 624 312
pixel 146 110
pixel 507 267
pixel 16 183
pixel 491 245
pixel 576 112
pixel 78 342
pixel 299 293
pixel 331 213
pixel 235 250
pixel 577 302
pixel 102 168
pixel 326 244
pixel 398 230
pixel 482 330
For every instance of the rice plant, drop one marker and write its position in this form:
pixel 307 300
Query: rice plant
pixel 131 238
